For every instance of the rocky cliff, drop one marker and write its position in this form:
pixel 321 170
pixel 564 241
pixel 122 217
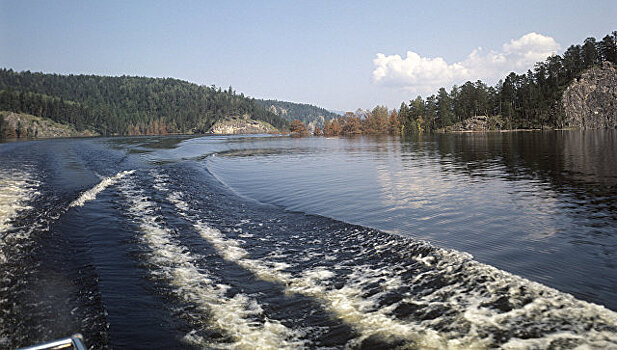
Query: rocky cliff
pixel 242 125
pixel 15 125
pixel 590 102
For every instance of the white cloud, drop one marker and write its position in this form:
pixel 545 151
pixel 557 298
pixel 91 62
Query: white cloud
pixel 424 75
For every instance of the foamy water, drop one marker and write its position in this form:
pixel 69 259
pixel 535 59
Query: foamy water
pixel 90 194
pixel 235 315
pixel 16 190
pixel 477 303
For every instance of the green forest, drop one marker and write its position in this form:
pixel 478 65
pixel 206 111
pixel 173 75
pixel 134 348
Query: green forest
pixel 126 105
pixel 519 101
pixel 522 101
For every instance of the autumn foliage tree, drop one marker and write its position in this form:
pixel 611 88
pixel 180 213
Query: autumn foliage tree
pixel 297 128
pixel 394 126
pixel 376 121
pixel 350 124
pixel 332 128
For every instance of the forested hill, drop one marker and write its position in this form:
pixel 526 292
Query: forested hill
pixel 126 105
pixel 308 114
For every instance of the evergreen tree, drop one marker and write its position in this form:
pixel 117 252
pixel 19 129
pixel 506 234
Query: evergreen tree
pixel 608 48
pixel 590 52
pixel 445 112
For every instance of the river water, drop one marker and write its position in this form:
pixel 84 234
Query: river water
pixel 443 241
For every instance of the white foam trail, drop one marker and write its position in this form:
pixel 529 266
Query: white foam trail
pixel 347 303
pixel 16 189
pixel 476 320
pixel 91 193
pixel 235 315
pixel 160 180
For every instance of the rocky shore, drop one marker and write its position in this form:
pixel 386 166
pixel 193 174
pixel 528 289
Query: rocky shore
pixel 25 126
pixel 242 125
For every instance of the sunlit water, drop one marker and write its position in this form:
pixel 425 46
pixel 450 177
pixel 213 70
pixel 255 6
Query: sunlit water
pixel 447 241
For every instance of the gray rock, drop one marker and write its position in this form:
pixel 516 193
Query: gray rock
pixel 19 125
pixel 590 102
pixel 242 125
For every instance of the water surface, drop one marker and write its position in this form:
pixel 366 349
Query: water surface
pixel 448 241
pixel 539 204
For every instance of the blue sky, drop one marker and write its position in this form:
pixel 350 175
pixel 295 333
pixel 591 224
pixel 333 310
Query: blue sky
pixel 319 52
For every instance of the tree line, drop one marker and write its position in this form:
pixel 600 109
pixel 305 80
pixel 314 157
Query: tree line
pixel 519 101
pixel 126 105
pixel 529 100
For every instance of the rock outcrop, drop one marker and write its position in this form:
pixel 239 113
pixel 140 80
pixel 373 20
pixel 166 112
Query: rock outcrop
pixel 242 125
pixel 16 125
pixel 476 123
pixel 590 102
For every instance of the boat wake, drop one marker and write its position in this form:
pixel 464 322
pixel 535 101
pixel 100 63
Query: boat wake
pixel 237 316
pixel 90 194
pixel 17 189
pixel 402 292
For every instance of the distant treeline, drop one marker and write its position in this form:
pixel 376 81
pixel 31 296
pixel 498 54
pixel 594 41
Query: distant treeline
pixel 529 100
pixel 306 113
pixel 377 121
pixel 126 105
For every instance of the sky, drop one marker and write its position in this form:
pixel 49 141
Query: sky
pixel 340 55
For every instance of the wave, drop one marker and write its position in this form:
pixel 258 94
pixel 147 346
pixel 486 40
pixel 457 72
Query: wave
pixel 237 316
pixel 346 303
pixel 409 293
pixel 38 296
pixel 17 188
pixel 98 188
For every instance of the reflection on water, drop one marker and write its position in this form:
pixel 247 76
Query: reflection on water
pixel 539 204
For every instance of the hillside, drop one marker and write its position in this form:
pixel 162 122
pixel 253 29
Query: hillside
pixel 310 115
pixel 126 105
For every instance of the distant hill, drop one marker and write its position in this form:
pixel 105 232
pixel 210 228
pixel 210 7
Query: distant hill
pixel 126 105
pixel 308 114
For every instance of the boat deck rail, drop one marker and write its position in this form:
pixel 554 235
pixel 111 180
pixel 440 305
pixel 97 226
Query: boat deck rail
pixel 76 342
